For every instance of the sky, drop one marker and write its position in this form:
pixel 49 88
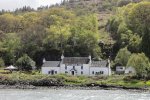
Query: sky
pixel 13 4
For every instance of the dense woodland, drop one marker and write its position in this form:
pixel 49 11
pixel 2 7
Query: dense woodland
pixel 116 29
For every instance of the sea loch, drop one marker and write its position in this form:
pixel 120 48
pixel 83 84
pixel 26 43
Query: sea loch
pixel 50 94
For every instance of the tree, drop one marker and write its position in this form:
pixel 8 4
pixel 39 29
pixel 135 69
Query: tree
pixel 29 19
pixel 2 64
pixel 135 43
pixel 58 35
pixel 84 34
pixel 124 34
pixel 121 3
pixel 10 23
pixel 139 17
pixel 25 63
pixel 145 42
pixel 54 15
pixel 141 64
pixel 58 24
pixel 123 56
pixel 9 48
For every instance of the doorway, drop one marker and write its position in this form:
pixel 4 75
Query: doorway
pixel 72 72
pixel 52 72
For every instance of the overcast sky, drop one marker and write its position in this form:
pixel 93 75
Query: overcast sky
pixel 13 4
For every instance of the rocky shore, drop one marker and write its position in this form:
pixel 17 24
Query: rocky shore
pixel 28 81
pixel 74 87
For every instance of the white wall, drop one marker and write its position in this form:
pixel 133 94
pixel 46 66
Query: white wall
pixel 45 70
pixel 130 69
pixel 62 68
pixel 85 69
pixel 98 69
pixel 120 68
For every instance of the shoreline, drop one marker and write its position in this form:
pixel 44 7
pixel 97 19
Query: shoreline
pixel 29 81
pixel 73 87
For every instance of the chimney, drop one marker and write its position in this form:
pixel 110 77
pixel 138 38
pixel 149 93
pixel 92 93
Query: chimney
pixel 109 68
pixel 90 58
pixel 44 60
pixel 62 56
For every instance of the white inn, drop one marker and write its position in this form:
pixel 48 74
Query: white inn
pixel 77 66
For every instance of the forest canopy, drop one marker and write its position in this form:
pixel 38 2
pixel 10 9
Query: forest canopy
pixel 49 32
pixel 119 29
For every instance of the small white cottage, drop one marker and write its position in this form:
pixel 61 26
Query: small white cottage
pixel 77 66
pixel 125 70
pixel 120 69
pixel 130 70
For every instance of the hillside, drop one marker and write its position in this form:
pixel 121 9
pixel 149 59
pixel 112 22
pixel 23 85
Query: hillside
pixel 106 28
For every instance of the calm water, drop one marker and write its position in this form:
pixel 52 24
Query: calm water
pixel 72 95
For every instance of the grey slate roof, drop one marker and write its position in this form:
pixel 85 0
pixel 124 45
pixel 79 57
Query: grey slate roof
pixel 102 63
pixel 51 64
pixel 75 60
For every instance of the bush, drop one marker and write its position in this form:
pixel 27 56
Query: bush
pixel 123 2
pixel 25 63
pixel 2 64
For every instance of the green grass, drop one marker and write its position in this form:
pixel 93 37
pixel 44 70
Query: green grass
pixel 4 71
pixel 40 80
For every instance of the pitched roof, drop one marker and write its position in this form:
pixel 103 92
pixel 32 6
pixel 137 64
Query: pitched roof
pixel 75 60
pixel 102 63
pixel 51 64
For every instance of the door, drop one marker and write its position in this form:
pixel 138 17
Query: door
pixel 52 72
pixel 72 72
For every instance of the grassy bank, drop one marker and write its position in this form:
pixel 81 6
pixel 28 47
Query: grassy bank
pixel 65 80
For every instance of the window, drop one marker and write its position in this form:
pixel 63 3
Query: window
pixel 101 72
pixel 55 72
pixel 130 72
pixel 93 72
pixel 66 67
pixel 66 72
pixel 121 68
pixel 81 67
pixel 81 72
pixel 49 72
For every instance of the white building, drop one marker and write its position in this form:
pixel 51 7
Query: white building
pixel 120 69
pixel 130 70
pixel 77 66
pixel 125 70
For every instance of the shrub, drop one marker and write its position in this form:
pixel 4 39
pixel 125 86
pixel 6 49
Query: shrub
pixel 2 62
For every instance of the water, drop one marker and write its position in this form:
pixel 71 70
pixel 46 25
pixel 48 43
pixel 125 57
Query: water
pixel 73 95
